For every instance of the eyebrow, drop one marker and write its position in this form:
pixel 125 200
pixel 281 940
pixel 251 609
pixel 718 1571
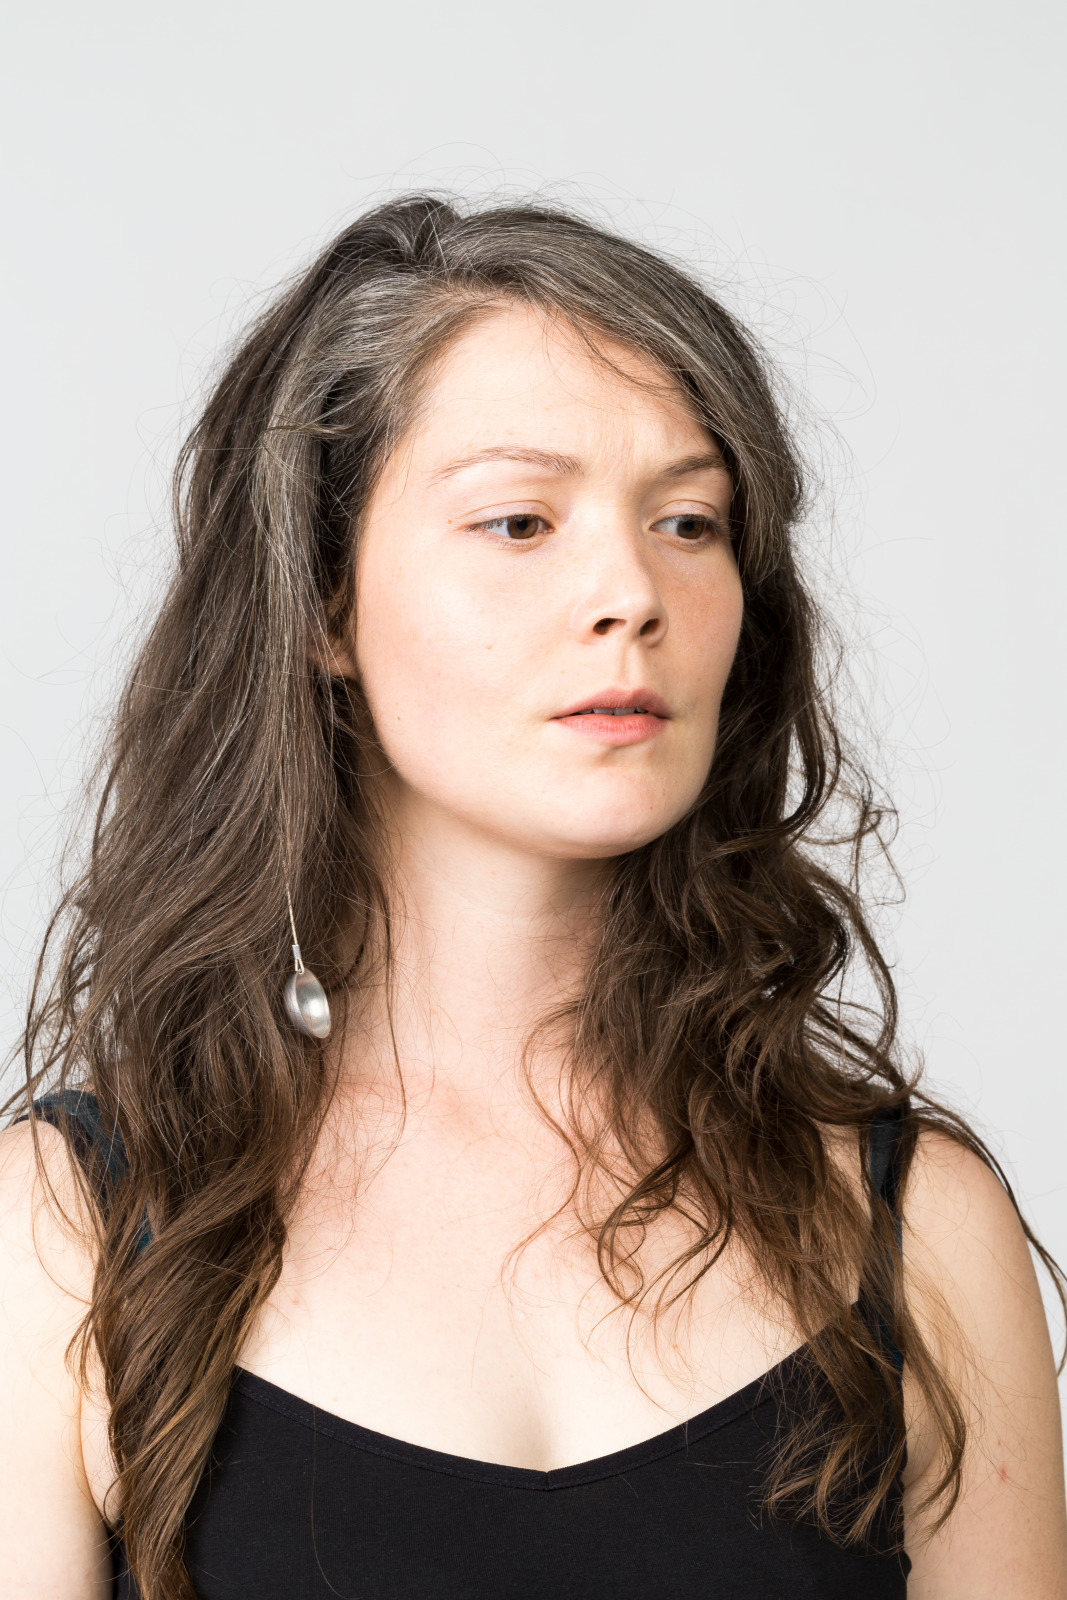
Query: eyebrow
pixel 706 461
pixel 562 466
pixel 568 466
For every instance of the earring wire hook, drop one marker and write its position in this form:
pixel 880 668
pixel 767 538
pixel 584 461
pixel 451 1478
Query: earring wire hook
pixel 292 923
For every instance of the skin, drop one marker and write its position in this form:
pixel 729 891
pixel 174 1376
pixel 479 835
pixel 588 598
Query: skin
pixel 588 553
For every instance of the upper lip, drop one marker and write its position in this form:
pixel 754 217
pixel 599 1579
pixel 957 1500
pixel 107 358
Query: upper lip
pixel 640 699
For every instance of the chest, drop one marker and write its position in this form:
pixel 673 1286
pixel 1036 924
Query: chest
pixel 441 1288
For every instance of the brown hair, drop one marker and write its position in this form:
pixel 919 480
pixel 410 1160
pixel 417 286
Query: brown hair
pixel 715 1000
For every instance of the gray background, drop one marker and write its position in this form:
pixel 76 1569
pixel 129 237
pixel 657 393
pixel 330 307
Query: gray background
pixel 878 188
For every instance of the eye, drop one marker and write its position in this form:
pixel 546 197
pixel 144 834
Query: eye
pixel 516 529
pixel 692 526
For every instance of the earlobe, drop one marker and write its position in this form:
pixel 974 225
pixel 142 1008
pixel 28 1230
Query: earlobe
pixel 332 646
pixel 334 655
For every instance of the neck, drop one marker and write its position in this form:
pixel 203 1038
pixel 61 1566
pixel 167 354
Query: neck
pixel 486 940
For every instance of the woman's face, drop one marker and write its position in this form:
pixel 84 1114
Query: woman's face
pixel 547 600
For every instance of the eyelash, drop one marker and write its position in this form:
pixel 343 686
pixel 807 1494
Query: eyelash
pixel 710 531
pixel 502 522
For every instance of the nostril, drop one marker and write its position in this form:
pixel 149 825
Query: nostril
pixel 605 624
pixel 648 627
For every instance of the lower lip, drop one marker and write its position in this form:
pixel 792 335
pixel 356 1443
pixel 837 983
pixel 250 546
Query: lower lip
pixel 615 730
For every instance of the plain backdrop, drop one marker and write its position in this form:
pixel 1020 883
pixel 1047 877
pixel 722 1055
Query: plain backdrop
pixel 878 188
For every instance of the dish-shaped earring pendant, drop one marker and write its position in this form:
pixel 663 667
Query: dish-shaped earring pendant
pixel 306 1004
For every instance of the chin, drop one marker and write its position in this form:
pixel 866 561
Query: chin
pixel 598 842
pixel 612 820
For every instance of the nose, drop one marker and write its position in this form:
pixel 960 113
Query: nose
pixel 622 598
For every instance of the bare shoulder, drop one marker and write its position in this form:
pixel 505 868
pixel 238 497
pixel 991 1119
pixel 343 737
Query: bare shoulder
pixel 971 1279
pixel 51 1535
pixel 973 1288
pixel 958 1212
pixel 44 1225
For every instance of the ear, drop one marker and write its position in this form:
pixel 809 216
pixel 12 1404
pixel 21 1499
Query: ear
pixel 333 652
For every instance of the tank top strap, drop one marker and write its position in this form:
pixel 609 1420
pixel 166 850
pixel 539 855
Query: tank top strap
pixel 885 1157
pixel 97 1144
pixel 885 1152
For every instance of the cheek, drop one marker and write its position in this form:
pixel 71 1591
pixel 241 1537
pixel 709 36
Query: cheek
pixel 733 616
pixel 706 626
pixel 429 659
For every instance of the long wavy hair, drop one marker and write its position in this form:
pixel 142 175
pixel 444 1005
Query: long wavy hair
pixel 715 1009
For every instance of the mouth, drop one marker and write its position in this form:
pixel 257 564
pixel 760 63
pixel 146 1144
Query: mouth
pixel 619 703
pixel 617 716
pixel 613 711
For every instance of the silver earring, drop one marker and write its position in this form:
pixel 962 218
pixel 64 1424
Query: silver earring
pixel 306 1004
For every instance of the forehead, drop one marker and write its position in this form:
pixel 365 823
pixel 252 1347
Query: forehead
pixel 519 375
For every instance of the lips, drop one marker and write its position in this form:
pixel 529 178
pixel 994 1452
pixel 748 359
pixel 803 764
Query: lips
pixel 617 716
pixel 618 702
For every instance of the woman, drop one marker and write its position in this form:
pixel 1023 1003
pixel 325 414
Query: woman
pixel 601 1248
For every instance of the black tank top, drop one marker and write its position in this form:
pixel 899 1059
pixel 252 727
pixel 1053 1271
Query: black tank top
pixel 298 1504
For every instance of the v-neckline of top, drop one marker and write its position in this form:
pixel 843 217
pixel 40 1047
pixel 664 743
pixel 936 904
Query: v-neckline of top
pixel 353 1434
